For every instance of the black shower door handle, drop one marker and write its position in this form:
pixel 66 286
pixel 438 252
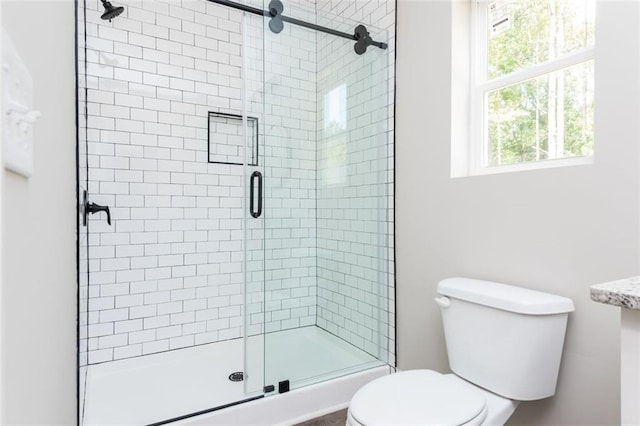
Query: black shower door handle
pixel 254 213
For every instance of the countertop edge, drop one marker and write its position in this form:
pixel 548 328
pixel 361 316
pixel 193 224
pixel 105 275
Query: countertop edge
pixel 624 293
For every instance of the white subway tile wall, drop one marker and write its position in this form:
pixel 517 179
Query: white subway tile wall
pixel 281 264
pixel 169 273
pixel 290 176
pixel 355 179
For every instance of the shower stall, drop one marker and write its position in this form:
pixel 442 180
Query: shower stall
pixel 235 187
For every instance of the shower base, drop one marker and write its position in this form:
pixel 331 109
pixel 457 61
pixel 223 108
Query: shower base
pixel 170 385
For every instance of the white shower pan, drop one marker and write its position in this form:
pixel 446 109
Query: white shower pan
pixel 171 385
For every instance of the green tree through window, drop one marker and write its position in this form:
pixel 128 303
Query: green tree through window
pixel 536 81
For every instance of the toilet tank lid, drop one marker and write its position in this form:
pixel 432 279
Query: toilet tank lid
pixel 506 297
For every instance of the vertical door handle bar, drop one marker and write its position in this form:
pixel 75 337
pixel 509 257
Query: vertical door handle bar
pixel 254 213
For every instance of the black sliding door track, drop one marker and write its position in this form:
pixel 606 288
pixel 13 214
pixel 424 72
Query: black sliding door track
pixel 360 36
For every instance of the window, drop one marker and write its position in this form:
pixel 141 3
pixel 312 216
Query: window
pixel 532 77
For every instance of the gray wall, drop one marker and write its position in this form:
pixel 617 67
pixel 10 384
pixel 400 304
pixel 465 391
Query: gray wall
pixel 557 230
pixel 38 241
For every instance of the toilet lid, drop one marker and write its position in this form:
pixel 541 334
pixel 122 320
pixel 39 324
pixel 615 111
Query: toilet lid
pixel 416 397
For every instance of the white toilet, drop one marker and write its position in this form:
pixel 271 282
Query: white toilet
pixel 504 345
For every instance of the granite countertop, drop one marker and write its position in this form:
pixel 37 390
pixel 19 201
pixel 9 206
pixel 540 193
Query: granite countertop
pixel 624 293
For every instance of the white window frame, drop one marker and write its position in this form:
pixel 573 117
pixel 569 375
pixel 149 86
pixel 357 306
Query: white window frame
pixel 480 86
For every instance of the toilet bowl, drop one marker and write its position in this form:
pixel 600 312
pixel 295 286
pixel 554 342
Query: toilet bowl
pixel 426 397
pixel 504 345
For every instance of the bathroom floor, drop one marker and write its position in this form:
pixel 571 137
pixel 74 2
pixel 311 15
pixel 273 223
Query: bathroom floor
pixel 339 418
pixel 167 385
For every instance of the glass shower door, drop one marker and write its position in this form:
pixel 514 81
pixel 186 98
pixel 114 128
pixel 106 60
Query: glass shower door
pixel 166 284
pixel 254 202
pixel 326 241
pixel 247 179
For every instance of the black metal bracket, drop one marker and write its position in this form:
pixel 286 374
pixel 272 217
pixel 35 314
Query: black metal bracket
pixel 364 39
pixel 283 386
pixel 275 10
pixel 276 24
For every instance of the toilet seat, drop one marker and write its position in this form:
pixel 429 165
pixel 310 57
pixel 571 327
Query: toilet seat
pixel 417 397
pixel 475 422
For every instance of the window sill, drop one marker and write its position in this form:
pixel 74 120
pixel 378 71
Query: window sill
pixel 544 164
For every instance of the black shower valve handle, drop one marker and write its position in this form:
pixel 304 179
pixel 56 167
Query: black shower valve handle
pixel 92 208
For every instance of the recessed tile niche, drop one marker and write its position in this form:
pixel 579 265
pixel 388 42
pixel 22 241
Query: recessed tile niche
pixel 226 144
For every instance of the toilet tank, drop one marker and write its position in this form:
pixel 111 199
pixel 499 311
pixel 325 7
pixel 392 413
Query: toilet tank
pixel 503 338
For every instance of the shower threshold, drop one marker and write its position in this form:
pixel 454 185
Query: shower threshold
pixel 170 385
